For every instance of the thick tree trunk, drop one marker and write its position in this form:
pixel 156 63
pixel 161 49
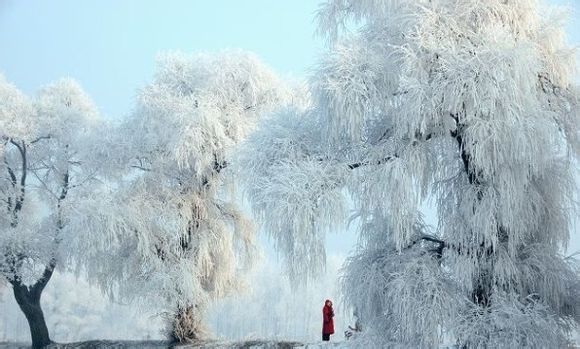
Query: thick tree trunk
pixel 482 289
pixel 29 301
pixel 28 298
pixel 186 326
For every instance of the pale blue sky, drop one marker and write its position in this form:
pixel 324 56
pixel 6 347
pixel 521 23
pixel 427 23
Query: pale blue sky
pixel 110 45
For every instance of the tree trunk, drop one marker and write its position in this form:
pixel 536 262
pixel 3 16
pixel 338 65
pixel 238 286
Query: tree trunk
pixel 186 327
pixel 483 288
pixel 483 283
pixel 29 301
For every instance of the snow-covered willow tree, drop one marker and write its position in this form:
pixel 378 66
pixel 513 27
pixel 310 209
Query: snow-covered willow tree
pixel 49 163
pixel 182 238
pixel 468 103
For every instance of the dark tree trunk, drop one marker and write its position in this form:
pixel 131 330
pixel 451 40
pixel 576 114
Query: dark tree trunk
pixel 186 327
pixel 29 302
pixel 482 289
pixel 483 284
pixel 28 298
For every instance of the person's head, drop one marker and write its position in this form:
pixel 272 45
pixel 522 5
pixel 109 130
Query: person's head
pixel 328 303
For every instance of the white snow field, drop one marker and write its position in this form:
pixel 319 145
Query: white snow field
pixel 252 344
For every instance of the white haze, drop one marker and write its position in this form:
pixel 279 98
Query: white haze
pixel 77 311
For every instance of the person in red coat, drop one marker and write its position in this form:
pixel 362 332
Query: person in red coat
pixel 327 320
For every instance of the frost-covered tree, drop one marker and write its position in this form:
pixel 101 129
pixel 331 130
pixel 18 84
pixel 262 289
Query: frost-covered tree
pixel 468 103
pixel 49 163
pixel 183 241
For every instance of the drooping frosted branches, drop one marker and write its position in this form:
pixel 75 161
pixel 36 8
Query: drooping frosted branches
pixel 468 102
pixel 192 241
pixel 294 190
pixel 49 159
pixel 403 295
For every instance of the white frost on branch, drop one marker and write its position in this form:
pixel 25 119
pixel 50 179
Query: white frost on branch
pixel 52 159
pixel 174 221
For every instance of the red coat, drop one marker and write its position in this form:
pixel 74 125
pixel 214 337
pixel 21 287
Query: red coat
pixel 327 320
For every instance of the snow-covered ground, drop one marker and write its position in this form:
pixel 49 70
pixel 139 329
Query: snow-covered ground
pixel 253 344
pixel 245 344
